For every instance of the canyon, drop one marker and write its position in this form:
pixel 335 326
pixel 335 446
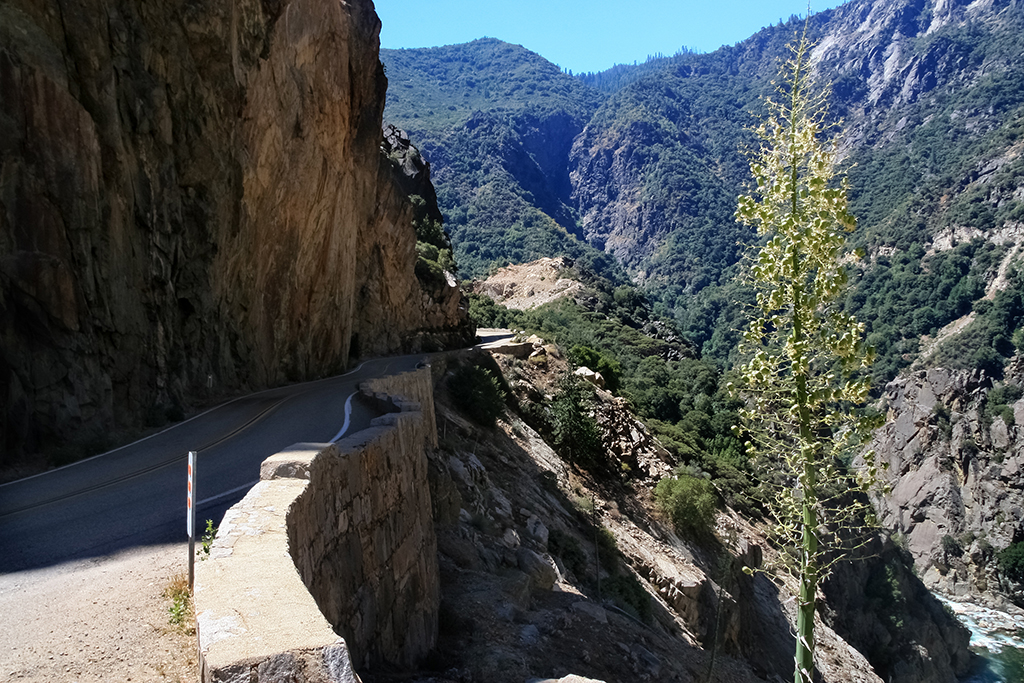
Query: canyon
pixel 201 201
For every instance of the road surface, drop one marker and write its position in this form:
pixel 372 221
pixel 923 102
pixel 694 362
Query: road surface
pixel 136 495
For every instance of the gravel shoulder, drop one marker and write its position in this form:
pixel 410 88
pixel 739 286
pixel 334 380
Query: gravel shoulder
pixel 102 619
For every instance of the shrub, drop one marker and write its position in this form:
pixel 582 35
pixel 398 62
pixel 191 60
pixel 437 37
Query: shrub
pixel 941 418
pixel 689 502
pixel 1011 562
pixel 478 393
pixel 608 550
pixel 568 548
pixel 576 435
pixel 603 363
pixel 951 548
pixel 629 595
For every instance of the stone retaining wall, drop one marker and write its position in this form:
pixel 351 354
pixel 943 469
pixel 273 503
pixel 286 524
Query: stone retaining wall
pixel 354 519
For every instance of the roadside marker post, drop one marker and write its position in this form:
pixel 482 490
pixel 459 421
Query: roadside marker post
pixel 190 517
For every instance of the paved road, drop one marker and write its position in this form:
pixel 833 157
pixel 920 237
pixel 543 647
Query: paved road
pixel 135 495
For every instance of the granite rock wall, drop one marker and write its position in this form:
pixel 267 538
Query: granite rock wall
pixel 193 202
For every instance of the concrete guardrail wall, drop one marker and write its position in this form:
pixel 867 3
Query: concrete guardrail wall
pixel 335 540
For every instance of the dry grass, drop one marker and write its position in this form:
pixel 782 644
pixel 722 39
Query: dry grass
pixel 180 610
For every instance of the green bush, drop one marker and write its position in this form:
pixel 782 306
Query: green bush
pixel 576 435
pixel 951 548
pixel 610 369
pixel 569 550
pixel 628 594
pixel 1011 562
pixel 429 272
pixel 485 313
pixel 689 502
pixel 478 393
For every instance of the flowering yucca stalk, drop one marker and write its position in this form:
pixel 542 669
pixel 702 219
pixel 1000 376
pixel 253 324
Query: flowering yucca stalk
pixel 805 375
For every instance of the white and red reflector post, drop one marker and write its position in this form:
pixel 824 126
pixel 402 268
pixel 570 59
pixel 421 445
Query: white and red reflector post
pixel 190 516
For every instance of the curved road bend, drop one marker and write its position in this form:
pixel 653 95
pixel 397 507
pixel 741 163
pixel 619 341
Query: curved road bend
pixel 135 495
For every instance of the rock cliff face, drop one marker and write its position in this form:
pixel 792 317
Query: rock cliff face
pixel 957 472
pixel 193 199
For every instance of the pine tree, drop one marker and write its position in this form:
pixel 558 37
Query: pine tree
pixel 806 370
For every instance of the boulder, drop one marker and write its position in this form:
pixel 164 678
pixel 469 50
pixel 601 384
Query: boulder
pixel 591 376
pixel 542 574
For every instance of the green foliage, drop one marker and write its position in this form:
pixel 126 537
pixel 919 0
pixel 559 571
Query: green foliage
pixel 1011 562
pixel 619 76
pixel 607 549
pixel 179 611
pixel 428 269
pixel 679 396
pixel 481 112
pixel 689 502
pixel 941 418
pixel 627 592
pixel 206 542
pixel 575 433
pixel 566 547
pixel 433 247
pixel 497 121
pixel 478 393
pixel 951 548
pixel 440 88
pixel 485 313
pixel 610 369
pixel 806 364
pixel 885 594
pixel 909 295
pixel 988 341
pixel 999 403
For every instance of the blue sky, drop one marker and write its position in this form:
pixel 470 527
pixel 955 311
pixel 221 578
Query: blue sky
pixel 585 36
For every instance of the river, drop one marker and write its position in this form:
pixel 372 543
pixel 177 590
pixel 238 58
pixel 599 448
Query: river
pixel 998 637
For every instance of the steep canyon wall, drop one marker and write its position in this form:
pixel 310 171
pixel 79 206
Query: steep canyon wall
pixel 956 459
pixel 193 201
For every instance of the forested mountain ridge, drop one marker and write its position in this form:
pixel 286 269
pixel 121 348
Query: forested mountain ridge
pixel 929 95
pixel 496 122
pixel 928 98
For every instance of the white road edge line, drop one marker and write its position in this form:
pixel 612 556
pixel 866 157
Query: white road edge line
pixel 341 433
pixel 228 493
pixel 179 424
pixel 348 417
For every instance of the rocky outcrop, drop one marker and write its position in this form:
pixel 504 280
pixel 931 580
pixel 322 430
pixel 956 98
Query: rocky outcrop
pixel 956 472
pixel 877 605
pixel 529 285
pixel 193 201
pixel 899 52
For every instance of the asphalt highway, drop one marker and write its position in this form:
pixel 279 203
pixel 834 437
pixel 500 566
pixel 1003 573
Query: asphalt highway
pixel 136 495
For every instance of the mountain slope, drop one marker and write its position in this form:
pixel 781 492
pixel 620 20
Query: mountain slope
pixel 496 123
pixel 931 101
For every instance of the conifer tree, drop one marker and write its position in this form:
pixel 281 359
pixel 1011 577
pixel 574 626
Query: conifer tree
pixel 805 371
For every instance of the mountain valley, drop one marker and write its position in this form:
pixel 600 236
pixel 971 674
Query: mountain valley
pixel 201 202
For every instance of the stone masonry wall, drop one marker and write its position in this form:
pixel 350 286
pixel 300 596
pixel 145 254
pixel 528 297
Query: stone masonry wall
pixel 416 387
pixel 359 532
pixel 362 536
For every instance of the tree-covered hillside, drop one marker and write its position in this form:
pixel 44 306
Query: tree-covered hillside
pixel 496 122
pixel 930 96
